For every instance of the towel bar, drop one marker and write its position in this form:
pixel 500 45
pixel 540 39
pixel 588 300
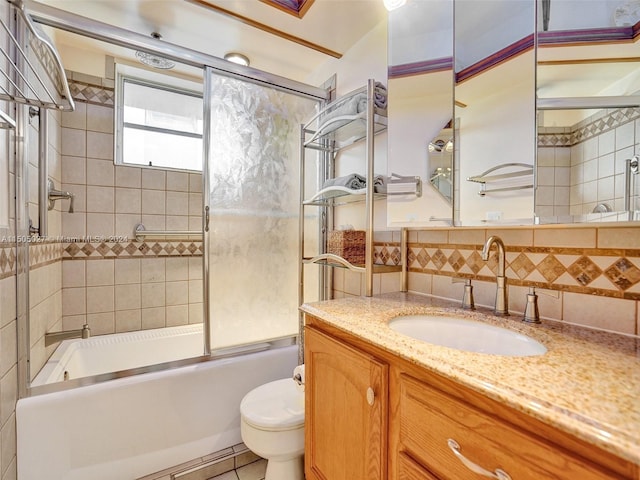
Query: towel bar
pixel 484 178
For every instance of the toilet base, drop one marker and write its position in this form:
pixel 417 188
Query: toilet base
pixel 292 469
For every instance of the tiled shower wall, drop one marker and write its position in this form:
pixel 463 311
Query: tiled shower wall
pixel 583 275
pixel 119 285
pixel 90 268
pixel 45 256
pixel 583 165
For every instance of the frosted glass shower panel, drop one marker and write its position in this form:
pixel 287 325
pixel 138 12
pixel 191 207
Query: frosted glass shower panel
pixel 254 201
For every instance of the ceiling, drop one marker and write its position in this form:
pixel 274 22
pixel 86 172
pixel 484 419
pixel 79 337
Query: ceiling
pixel 335 25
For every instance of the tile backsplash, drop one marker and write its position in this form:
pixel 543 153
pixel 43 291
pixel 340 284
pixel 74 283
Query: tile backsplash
pixel 584 275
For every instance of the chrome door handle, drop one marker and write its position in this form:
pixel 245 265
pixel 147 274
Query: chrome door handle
pixel 499 474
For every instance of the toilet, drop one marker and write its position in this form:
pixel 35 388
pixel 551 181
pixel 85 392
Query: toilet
pixel 272 426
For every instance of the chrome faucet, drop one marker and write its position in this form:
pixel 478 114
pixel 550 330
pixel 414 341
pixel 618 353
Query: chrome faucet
pixel 502 301
pixel 53 337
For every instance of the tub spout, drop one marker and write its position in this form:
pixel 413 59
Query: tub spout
pixel 53 337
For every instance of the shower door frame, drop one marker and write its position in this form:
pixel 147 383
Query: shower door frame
pixel 60 19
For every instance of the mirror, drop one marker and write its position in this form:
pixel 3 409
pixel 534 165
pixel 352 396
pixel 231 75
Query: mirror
pixel 555 177
pixel 440 153
pixel 494 68
pixel 588 81
pixel 420 91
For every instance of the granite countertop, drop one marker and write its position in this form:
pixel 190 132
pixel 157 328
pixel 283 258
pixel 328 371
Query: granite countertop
pixel 587 383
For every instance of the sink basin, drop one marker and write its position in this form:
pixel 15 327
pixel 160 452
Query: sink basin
pixel 468 335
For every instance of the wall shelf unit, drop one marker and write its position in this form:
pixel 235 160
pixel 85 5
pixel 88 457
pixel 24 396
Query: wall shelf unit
pixel 354 118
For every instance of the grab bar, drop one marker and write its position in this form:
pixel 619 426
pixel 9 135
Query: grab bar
pixel 139 232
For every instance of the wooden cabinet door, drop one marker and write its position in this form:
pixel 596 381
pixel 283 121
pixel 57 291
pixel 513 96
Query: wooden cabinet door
pixel 345 411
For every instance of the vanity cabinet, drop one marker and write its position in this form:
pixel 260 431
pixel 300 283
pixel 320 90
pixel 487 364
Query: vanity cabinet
pixel 422 421
pixel 346 411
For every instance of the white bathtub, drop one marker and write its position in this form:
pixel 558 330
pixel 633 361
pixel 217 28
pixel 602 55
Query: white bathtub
pixel 120 351
pixel 129 427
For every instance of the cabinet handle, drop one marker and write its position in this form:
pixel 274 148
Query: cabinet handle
pixel 371 396
pixel 499 473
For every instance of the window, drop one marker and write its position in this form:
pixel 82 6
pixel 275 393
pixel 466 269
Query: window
pixel 158 124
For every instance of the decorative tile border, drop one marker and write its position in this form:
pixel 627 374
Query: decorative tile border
pixel 593 126
pixel 7 261
pixel 610 273
pixel 132 249
pixel 44 253
pixel 604 272
pixel 95 94
pixel 387 254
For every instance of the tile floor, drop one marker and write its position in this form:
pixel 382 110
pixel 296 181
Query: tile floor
pixel 233 463
pixel 252 471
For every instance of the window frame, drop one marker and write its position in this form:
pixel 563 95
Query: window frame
pixel 153 80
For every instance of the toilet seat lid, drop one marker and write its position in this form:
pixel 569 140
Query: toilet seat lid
pixel 275 405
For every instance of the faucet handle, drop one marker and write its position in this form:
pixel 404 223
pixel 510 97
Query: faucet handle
pixel 467 296
pixel 531 313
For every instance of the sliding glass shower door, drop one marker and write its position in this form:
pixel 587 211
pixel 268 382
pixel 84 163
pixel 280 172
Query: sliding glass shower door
pixel 253 203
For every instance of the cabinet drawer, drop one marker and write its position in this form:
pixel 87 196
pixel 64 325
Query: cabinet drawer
pixel 429 419
pixel 408 469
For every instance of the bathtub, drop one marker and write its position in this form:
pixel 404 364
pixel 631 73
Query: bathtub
pixel 120 351
pixel 133 426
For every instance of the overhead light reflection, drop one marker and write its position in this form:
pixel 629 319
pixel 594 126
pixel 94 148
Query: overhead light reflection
pixel 393 4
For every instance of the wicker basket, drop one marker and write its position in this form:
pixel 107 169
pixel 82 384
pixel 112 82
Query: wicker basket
pixel 348 244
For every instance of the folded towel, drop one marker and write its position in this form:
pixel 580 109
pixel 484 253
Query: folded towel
pixel 380 95
pixel 355 104
pixel 380 184
pixel 355 181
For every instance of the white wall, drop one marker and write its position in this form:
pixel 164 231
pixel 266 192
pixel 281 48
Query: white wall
pixel 419 106
pixel 366 59
pixel 497 127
